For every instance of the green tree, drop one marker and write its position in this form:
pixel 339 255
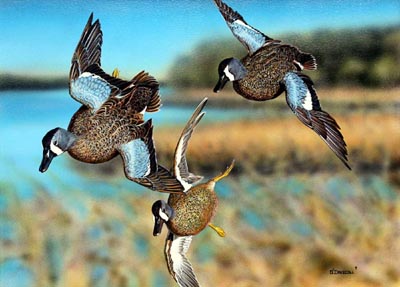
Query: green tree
pixel 365 56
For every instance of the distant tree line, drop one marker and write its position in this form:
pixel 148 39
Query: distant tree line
pixel 19 82
pixel 365 57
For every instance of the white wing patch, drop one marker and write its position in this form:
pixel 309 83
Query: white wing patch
pixel 179 248
pixel 181 267
pixel 241 23
pixel 143 111
pixel 298 64
pixel 87 74
pixel 178 160
pixel 307 104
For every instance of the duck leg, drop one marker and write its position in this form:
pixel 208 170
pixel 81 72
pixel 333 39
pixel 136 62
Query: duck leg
pixel 217 229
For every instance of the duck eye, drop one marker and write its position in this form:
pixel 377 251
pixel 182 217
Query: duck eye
pixel 55 142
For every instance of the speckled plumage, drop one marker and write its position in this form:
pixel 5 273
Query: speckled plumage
pixel 105 121
pixel 99 135
pixel 266 69
pixel 193 210
pixel 111 118
pixel 271 68
pixel 186 214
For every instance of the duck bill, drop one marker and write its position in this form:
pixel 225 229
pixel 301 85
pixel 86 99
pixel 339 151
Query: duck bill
pixel 221 83
pixel 46 160
pixel 158 225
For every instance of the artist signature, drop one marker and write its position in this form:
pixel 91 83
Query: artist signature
pixel 335 271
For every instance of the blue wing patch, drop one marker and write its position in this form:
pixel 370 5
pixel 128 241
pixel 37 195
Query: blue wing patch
pixel 300 93
pixel 136 157
pixel 90 90
pixel 247 35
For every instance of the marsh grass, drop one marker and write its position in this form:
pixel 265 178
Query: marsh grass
pixel 344 99
pixel 286 146
pixel 281 231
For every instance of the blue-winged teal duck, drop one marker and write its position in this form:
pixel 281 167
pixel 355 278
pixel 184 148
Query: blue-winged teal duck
pixel 110 120
pixel 186 214
pixel 271 67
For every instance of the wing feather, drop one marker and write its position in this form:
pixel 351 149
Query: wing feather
pixel 250 37
pixel 303 100
pixel 88 50
pixel 179 266
pixel 181 170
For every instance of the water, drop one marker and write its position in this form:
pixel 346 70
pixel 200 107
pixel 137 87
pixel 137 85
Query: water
pixel 25 116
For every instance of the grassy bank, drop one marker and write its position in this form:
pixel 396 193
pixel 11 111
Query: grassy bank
pixel 285 145
pixel 281 231
pixel 338 99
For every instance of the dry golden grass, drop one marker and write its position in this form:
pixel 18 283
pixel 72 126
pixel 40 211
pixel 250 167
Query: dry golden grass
pixel 285 145
pixel 343 95
pixel 359 229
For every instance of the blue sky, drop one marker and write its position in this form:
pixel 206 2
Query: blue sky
pixel 39 37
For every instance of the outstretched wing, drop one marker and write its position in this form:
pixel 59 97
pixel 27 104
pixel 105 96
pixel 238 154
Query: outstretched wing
pixel 140 162
pixel 92 87
pixel 302 99
pixel 138 155
pixel 161 180
pixel 84 86
pixel 179 266
pixel 88 50
pixel 181 170
pixel 139 95
pixel 250 37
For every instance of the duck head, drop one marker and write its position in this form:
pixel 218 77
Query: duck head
pixel 162 212
pixel 230 69
pixel 55 142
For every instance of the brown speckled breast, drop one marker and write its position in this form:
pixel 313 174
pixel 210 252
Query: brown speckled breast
pixel 100 134
pixel 266 69
pixel 193 211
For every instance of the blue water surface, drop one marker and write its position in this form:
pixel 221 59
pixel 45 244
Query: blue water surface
pixel 26 116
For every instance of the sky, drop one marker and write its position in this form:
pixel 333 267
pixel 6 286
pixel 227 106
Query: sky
pixel 39 37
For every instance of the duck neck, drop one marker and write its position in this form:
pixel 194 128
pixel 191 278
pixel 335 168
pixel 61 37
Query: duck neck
pixel 70 140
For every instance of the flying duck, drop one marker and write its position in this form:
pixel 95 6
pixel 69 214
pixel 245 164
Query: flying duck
pixel 186 214
pixel 271 67
pixel 110 120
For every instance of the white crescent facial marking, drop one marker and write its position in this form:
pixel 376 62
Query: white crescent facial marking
pixel 163 215
pixel 230 76
pixel 55 149
pixel 307 104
